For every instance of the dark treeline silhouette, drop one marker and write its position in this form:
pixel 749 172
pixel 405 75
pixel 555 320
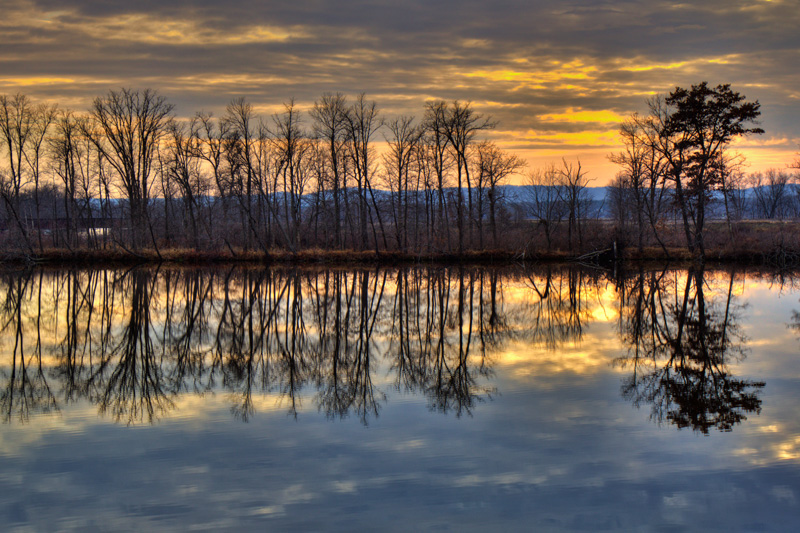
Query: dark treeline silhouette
pixel 129 175
pixel 132 341
pixel 681 344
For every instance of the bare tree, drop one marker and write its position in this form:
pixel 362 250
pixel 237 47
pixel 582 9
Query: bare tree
pixel 127 127
pixel 330 126
pixel 494 166
pixel 436 152
pixel 573 185
pixel 182 166
pixel 212 136
pixel 772 194
pixel 461 125
pixel 403 141
pixel 66 149
pixel 240 150
pixel 18 130
pixel 643 175
pixel 293 152
pixel 43 117
pixel 427 187
pixel 362 121
pixel 545 200
pixel 633 176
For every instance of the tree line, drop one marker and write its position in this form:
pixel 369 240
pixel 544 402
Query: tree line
pixel 127 174
pixel 293 180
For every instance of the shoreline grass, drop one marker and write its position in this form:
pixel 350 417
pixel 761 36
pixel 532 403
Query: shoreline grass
pixel 181 256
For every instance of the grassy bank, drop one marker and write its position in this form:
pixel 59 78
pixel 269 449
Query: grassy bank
pixel 769 243
pixel 58 256
pixel 756 255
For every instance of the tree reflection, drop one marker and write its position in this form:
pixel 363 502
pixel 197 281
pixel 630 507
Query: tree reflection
pixel 128 380
pixel 132 342
pixel 681 342
pixel 26 389
pixel 186 327
pixel 439 315
pixel 559 309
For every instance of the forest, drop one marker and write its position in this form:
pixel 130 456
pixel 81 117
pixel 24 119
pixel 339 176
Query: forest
pixel 127 178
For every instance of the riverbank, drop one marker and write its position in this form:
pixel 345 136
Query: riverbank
pixel 775 256
pixel 58 256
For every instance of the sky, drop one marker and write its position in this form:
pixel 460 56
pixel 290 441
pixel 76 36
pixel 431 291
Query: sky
pixel 558 77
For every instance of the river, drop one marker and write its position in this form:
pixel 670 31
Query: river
pixel 548 399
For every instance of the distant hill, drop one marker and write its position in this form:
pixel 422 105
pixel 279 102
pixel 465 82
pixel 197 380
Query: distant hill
pixel 519 194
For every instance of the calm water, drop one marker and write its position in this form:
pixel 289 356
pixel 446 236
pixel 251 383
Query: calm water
pixel 435 399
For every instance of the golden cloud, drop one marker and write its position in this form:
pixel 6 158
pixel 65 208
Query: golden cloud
pixel 581 115
pixel 147 29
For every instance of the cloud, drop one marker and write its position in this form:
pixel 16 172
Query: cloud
pixel 524 63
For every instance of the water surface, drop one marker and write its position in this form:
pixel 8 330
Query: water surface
pixel 444 399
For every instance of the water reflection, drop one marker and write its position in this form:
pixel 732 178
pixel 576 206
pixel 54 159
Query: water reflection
pixel 680 344
pixel 132 341
pixel 559 308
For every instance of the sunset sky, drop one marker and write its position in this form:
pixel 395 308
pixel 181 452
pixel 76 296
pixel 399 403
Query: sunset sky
pixel 558 76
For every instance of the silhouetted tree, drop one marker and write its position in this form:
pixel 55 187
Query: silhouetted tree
pixel 494 166
pixel 330 123
pixel 127 127
pixel 403 142
pixel 361 122
pixel 461 125
pixel 691 129
pixel 772 193
pixel 545 193
pixel 23 127
pixel 181 165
